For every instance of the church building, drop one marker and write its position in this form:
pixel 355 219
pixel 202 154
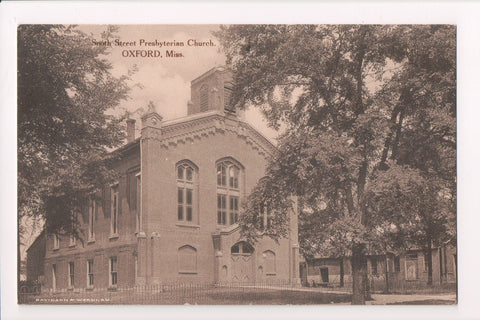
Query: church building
pixel 172 215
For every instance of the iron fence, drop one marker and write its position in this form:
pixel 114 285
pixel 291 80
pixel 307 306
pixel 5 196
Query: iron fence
pixel 380 285
pixel 274 292
pixel 401 286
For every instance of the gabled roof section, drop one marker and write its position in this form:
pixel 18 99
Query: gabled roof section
pixel 212 122
pixel 126 148
pixel 40 237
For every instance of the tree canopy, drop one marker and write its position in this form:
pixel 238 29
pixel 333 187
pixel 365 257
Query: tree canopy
pixel 369 145
pixel 65 91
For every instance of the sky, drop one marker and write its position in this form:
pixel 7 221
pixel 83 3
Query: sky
pixel 166 81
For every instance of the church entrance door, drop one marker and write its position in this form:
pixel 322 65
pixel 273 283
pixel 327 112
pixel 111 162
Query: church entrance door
pixel 242 263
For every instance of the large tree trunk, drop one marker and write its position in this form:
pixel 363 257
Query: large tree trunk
pixel 387 289
pixel 359 274
pixel 429 263
pixel 342 272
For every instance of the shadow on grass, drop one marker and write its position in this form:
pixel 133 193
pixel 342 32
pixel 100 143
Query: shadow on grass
pixel 277 298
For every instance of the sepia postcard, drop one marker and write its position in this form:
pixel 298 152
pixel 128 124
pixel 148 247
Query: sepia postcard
pixel 237 164
pixel 215 160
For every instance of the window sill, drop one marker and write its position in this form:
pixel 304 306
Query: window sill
pixel 90 241
pixel 187 225
pixel 271 274
pixel 227 228
pixel 187 272
pixel 113 236
pixel 71 246
pixel 55 249
pixel 112 288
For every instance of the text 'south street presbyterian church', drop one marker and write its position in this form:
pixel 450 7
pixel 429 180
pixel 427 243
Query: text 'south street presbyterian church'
pixel 172 215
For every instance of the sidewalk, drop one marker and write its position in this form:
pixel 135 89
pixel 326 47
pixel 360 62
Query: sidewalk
pixel 382 299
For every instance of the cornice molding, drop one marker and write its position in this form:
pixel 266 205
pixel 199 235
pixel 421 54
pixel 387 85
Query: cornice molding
pixel 176 132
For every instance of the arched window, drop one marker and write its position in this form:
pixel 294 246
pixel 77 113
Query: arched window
pixel 264 212
pixel 203 98
pixel 186 178
pixel 265 217
pixel 187 259
pixel 270 267
pixel 224 271
pixel 242 248
pixel 228 192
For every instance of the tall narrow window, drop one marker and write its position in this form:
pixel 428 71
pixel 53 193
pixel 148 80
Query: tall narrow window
pixel 227 97
pixel 91 218
pixel 72 235
pixel 411 261
pixel 113 271
pixel 114 211
pixel 54 277
pixel 233 209
pixel 90 273
pixel 71 274
pixel 56 241
pixel 136 268
pixel 266 218
pixel 72 240
pixel 374 266
pixel 228 192
pixel 221 175
pixel 221 209
pixel 396 264
pixel 233 173
pixel 186 175
pixel 204 99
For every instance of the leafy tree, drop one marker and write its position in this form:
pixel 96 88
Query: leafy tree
pixel 369 140
pixel 423 141
pixel 65 94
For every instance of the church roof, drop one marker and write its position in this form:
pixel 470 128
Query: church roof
pixel 203 124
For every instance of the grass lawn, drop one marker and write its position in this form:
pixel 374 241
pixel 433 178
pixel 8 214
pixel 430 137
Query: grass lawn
pixel 275 297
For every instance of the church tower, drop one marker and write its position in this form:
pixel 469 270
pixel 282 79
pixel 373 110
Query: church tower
pixel 212 91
